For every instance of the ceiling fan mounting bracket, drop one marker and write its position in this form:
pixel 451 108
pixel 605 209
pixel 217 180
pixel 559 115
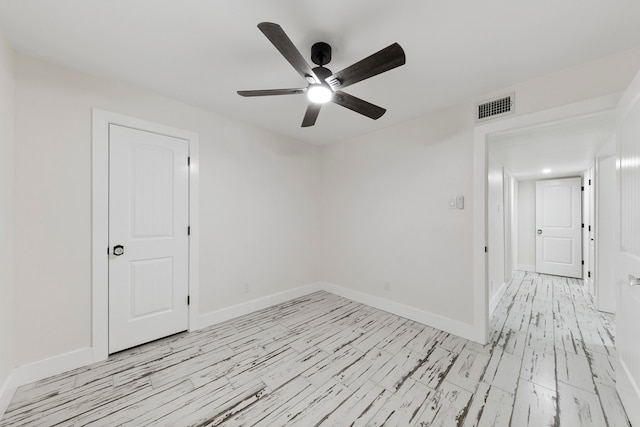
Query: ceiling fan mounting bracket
pixel 321 53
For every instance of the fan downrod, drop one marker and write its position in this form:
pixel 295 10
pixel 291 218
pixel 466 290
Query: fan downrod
pixel 321 53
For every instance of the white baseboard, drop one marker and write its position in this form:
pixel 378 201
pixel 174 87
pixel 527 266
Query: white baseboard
pixel 437 321
pixel 40 370
pixel 446 324
pixel 228 313
pixel 496 298
pixel 6 393
pixel 55 365
pixel 527 267
pixel 629 392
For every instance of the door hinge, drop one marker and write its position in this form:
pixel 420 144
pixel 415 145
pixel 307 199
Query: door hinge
pixel 589 182
pixel 486 249
pixel 588 274
pixel 582 188
pixel 582 262
pixel 107 250
pixel 188 299
pixel 188 161
pixel 189 231
pixel 589 228
pixel 582 225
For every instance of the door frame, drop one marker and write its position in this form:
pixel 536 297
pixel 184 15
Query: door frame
pixel 100 221
pixel 480 168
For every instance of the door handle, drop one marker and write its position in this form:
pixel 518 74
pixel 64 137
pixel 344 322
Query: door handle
pixel 633 280
pixel 118 250
pixel 539 231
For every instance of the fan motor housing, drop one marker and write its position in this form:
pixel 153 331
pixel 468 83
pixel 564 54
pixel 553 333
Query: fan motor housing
pixel 321 53
pixel 322 73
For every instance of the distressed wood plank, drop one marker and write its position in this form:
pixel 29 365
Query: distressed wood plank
pixel 579 407
pixel 435 368
pixel 310 410
pixel 127 408
pixel 490 407
pixel 360 407
pixel 396 371
pixel 285 372
pixel 468 369
pixel 277 401
pixel 330 366
pixel 612 408
pixel 539 368
pixel 403 407
pixel 503 371
pixel 534 406
pixel 574 369
pixel 447 407
pixel 363 368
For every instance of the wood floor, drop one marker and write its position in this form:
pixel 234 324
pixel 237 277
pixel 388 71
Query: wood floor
pixel 324 360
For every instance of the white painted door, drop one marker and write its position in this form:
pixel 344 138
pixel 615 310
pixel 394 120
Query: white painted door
pixel 628 254
pixel 559 227
pixel 148 240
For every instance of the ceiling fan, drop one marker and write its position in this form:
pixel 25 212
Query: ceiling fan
pixel 325 86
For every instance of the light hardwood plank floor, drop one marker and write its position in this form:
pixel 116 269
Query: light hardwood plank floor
pixel 325 360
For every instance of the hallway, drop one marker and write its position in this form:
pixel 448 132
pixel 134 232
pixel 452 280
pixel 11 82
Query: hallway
pixel 564 353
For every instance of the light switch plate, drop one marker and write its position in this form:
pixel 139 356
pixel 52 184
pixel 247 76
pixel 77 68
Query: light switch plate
pixel 460 202
pixel 452 203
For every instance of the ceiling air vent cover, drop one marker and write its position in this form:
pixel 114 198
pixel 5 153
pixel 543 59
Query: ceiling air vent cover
pixel 495 108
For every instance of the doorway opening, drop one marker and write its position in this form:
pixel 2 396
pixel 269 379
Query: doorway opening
pixel 505 154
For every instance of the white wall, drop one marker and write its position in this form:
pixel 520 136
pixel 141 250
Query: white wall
pixel 7 288
pixel 526 225
pixel 496 224
pixel 386 215
pixel 274 212
pixel 259 204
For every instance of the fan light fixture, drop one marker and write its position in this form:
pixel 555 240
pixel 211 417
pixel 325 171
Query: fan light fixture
pixel 319 94
pixel 545 171
pixel 323 85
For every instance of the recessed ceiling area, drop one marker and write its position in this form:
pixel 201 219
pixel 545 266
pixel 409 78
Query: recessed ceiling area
pixel 566 148
pixel 201 51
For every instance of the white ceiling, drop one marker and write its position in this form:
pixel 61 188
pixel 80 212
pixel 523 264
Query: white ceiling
pixel 202 51
pixel 566 147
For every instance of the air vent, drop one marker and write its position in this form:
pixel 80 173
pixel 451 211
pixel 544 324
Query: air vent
pixel 495 108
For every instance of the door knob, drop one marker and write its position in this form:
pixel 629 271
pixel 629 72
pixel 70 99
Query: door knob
pixel 539 231
pixel 118 250
pixel 633 280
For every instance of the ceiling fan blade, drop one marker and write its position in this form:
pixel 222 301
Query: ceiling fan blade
pixel 386 59
pixel 285 46
pixel 358 105
pixel 268 92
pixel 311 115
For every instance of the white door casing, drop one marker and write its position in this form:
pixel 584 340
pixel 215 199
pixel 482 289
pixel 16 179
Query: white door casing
pixel 606 229
pixel 628 253
pixel 148 222
pixel 559 227
pixel 100 223
pixel 588 229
